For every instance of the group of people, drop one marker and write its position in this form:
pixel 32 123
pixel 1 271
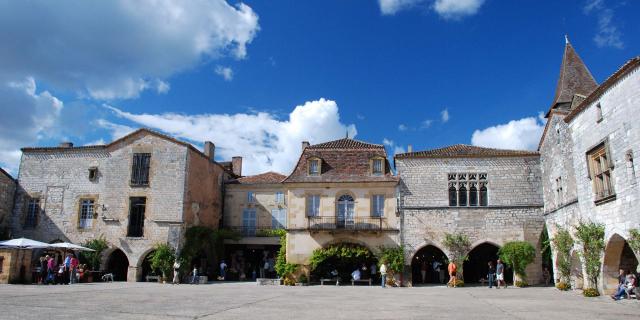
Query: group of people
pixel 435 269
pixel 51 272
pixel 627 285
pixel 360 273
pixel 495 274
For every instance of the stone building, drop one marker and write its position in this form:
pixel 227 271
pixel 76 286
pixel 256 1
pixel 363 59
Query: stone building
pixel 493 196
pixel 140 190
pixel 7 194
pixel 254 206
pixel 587 157
pixel 341 191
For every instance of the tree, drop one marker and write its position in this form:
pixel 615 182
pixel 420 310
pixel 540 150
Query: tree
pixel 518 254
pixel 93 257
pixel 634 241
pixel 162 258
pixel 563 243
pixel 459 246
pixel 591 236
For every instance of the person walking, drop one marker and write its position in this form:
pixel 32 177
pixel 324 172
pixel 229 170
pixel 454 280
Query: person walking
pixel 453 269
pixel 500 274
pixel 51 265
pixel 67 269
pixel 176 272
pixel 491 275
pixel 43 270
pixel 73 270
pixel 194 275
pixel 383 273
pixel 223 269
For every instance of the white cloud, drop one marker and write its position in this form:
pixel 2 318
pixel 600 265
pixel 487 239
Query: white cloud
pixel 403 127
pixel 448 9
pixel 608 34
pixel 517 134
pixel 426 124
pixel 117 49
pixel 225 72
pixel 264 141
pixel 444 115
pixel 117 130
pixel 27 116
pixel 393 146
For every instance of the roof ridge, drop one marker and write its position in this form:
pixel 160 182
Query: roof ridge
pixel 465 150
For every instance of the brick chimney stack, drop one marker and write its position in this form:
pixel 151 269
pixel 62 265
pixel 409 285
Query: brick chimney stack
pixel 65 144
pixel 305 144
pixel 210 150
pixel 236 165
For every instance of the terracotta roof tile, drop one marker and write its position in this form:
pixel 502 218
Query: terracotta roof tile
pixel 466 151
pixel 345 143
pixel 263 178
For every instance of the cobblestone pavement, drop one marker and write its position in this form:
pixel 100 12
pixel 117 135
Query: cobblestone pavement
pixel 249 301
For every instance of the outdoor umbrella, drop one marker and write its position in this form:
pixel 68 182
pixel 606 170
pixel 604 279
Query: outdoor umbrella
pixel 69 246
pixel 23 243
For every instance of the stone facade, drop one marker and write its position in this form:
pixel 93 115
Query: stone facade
pixel 184 189
pixel 7 194
pixel 513 211
pixel 608 115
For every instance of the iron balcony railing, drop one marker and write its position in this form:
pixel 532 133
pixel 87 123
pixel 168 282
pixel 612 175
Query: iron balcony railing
pixel 247 231
pixel 349 224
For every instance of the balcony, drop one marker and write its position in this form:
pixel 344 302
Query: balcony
pixel 353 224
pixel 247 231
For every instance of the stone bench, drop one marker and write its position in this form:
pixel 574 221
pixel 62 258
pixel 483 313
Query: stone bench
pixel 353 282
pixel 149 278
pixel 322 281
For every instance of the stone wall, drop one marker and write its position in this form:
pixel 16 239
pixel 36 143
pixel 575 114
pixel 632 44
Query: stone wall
pixel 7 193
pixel 203 203
pixel 514 210
pixel 236 200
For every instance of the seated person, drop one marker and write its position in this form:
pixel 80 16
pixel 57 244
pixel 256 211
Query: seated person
pixel 355 275
pixel 626 288
pixel 334 273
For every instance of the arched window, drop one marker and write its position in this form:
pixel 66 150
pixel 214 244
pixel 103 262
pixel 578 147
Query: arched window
pixel 453 196
pixel 473 196
pixel 462 196
pixel 345 211
pixel 483 196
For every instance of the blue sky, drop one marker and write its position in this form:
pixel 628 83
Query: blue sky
pixel 259 77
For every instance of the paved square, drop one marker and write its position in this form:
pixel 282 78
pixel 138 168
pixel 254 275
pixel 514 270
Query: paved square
pixel 249 301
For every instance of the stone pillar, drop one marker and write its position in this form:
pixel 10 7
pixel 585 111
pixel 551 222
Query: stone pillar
pixel 133 274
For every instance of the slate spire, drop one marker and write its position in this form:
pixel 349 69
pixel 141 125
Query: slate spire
pixel 575 78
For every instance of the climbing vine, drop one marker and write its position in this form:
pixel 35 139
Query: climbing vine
pixel 393 257
pixel 563 243
pixel 518 255
pixel 634 241
pixel 591 236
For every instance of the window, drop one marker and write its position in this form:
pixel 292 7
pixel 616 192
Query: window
pixel 86 213
pixel 33 211
pixel 599 112
pixel 630 167
pixel 137 207
pixel 249 222
pixel 278 218
pixel 251 197
pixel 467 189
pixel 313 205
pixel 314 167
pixel 280 197
pixel 140 169
pixel 345 212
pixel 93 174
pixel 453 196
pixel 377 167
pixel 377 205
pixel 559 190
pixel 600 169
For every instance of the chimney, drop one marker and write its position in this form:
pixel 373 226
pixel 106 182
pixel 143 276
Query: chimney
pixel 236 166
pixel 66 144
pixel 210 150
pixel 305 144
pixel 409 148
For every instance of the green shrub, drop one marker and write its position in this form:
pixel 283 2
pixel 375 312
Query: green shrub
pixel 518 254
pixel 634 241
pixel 282 267
pixel 162 258
pixel 591 237
pixel 563 286
pixel 394 258
pixel 590 292
pixel 562 243
pixel 93 258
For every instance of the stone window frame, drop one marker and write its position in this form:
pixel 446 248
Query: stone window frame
pixel 27 222
pixel 308 207
pixel 138 170
pixel 318 162
pixel 145 215
pixel 79 204
pixel 600 167
pixel 372 163
pixel 93 174
pixel 630 166
pixel 468 181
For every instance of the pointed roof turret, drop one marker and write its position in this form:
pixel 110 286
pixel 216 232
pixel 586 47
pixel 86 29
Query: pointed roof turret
pixel 575 78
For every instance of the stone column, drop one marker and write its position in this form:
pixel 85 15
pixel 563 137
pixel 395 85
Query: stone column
pixel 133 274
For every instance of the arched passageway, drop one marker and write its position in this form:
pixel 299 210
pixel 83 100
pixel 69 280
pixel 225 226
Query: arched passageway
pixel 617 255
pixel 118 264
pixel 545 252
pixel 145 267
pixel 476 267
pixel 344 258
pixel 428 266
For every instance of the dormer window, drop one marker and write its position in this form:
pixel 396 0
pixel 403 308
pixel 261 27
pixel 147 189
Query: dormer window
pixel 377 166
pixel 314 167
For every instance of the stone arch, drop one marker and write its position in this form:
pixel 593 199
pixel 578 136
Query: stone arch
pixel 143 265
pixel 475 267
pixel 576 276
pixel 345 265
pixel 617 255
pixel 117 263
pixel 422 265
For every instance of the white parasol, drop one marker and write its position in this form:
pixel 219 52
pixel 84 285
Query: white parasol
pixel 23 243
